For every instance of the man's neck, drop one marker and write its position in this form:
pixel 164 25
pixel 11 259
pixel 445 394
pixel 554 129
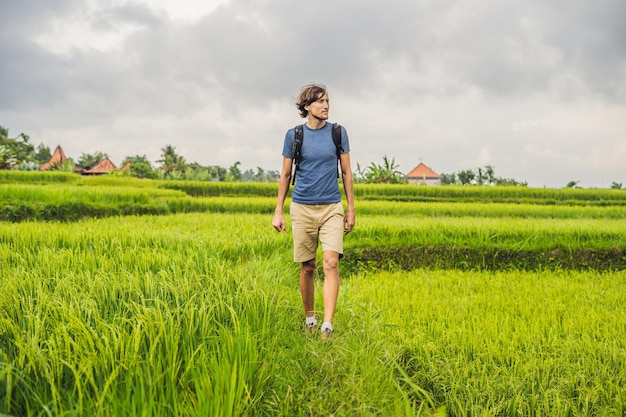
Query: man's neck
pixel 315 123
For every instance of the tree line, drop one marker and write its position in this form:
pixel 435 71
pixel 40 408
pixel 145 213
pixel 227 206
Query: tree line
pixel 388 173
pixel 19 154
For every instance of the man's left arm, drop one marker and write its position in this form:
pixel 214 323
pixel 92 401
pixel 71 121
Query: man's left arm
pixel 346 176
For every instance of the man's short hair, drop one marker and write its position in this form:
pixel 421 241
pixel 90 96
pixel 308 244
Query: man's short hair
pixel 308 95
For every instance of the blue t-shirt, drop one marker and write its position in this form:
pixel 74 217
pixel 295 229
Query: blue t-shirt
pixel 316 180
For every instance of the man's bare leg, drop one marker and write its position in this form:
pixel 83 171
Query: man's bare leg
pixel 307 287
pixel 331 284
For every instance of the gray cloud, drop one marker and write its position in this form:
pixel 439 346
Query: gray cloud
pixel 448 81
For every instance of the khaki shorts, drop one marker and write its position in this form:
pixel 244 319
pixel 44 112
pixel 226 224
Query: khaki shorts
pixel 313 223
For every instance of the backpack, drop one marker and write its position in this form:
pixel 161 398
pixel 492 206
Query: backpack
pixel 297 147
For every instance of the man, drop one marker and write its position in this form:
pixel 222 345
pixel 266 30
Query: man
pixel 317 214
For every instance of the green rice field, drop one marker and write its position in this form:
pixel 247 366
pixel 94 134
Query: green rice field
pixel 125 297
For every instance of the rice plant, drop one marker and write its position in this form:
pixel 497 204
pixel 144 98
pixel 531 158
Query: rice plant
pixel 199 312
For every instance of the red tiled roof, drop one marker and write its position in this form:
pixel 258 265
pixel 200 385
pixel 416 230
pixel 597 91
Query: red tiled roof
pixel 422 171
pixel 103 167
pixel 58 157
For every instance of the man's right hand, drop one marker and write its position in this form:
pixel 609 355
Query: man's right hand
pixel 279 223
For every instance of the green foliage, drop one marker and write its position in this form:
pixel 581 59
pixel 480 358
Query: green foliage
pixel 7 158
pixel 42 154
pixel 88 161
pixel 14 151
pixel 171 162
pixel 466 176
pixel 479 176
pixel 448 179
pixel 235 171
pixel 18 152
pixel 140 167
pixel 27 166
pixel 387 173
pixel 260 175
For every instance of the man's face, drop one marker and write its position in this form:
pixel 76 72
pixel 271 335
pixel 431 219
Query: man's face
pixel 319 108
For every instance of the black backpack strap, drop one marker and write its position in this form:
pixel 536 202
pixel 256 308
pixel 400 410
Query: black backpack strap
pixel 297 151
pixel 337 140
pixel 297 147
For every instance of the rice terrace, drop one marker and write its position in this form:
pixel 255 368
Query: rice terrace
pixel 128 297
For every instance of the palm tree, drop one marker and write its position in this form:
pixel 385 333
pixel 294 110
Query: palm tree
pixel 481 176
pixel 387 173
pixel 466 177
pixel 235 171
pixel 490 173
pixel 170 161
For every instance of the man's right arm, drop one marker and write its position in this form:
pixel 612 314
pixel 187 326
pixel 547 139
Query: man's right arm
pixel 283 188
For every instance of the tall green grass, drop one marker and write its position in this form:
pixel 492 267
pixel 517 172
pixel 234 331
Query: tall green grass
pixel 24 202
pixel 363 192
pixel 200 315
pixel 37 177
pixel 445 307
pixel 178 315
pixel 70 202
pixel 507 343
pixel 548 196
pixel 487 210
pixel 405 243
pixel 106 321
pixel 498 232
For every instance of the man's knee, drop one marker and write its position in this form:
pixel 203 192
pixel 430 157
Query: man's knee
pixel 308 268
pixel 331 261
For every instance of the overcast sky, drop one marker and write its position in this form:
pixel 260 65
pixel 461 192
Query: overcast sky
pixel 534 88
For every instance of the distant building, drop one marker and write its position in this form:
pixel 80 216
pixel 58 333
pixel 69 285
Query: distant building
pixel 423 175
pixel 103 167
pixel 58 157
